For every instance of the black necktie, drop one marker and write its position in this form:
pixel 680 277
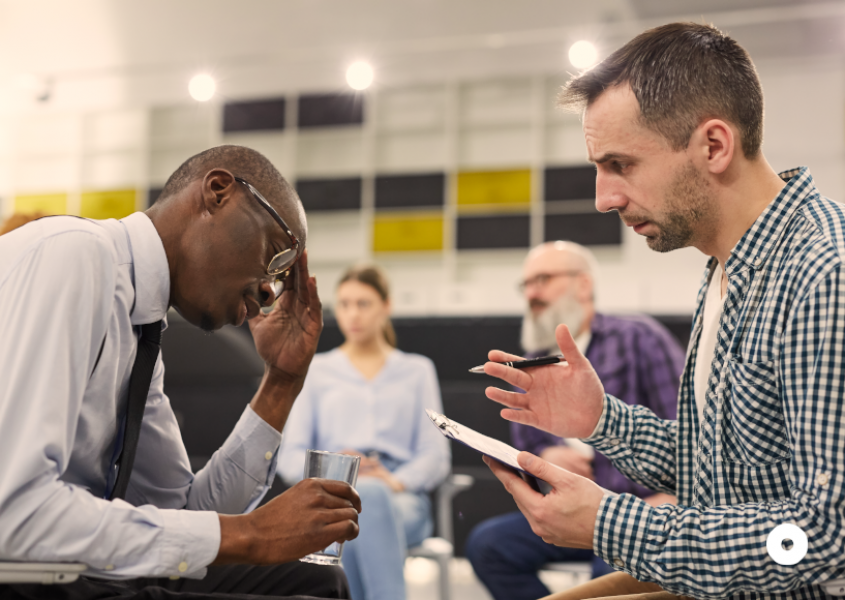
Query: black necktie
pixel 139 388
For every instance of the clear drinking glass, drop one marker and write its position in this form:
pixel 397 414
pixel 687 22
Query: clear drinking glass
pixel 330 465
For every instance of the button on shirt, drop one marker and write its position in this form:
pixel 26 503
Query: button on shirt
pixel 340 409
pixel 770 448
pixel 73 290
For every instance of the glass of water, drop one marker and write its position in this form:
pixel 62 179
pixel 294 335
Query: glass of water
pixel 330 465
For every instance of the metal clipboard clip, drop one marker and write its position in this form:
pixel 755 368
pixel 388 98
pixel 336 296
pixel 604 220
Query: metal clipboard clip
pixel 443 422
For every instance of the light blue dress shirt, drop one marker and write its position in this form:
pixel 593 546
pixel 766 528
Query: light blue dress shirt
pixel 339 408
pixel 68 287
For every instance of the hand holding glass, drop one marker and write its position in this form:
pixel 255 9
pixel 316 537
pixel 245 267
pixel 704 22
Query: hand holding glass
pixel 330 465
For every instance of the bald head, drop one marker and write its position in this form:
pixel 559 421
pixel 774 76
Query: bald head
pixel 250 165
pixel 556 268
pixel 565 255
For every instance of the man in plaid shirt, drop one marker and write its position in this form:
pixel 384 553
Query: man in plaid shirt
pixel 673 122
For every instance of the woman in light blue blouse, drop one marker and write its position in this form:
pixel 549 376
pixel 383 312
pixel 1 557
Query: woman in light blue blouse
pixel 368 398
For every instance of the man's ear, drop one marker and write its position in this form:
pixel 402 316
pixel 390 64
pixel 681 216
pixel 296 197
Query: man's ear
pixel 584 287
pixel 714 144
pixel 218 188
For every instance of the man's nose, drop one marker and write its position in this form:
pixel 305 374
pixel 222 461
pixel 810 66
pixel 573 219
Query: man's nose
pixel 266 293
pixel 532 291
pixel 609 196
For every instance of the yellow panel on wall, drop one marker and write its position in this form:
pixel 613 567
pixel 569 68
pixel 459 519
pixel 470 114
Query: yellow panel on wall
pixel 51 204
pixel 408 232
pixel 113 204
pixel 495 188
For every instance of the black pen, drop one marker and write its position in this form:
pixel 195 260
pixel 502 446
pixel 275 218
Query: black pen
pixel 524 364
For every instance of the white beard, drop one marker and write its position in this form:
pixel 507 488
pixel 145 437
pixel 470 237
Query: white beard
pixel 538 333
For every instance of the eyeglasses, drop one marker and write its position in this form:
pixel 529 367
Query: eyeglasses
pixel 543 279
pixel 282 263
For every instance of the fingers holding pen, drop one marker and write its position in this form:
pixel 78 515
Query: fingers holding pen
pixel 499 356
pixel 517 377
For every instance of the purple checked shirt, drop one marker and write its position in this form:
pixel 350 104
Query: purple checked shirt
pixel 639 362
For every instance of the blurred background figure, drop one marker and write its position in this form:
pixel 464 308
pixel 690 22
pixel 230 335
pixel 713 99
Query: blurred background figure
pixel 638 361
pixel 18 220
pixel 367 397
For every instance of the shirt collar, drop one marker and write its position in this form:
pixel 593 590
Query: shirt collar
pixel 757 243
pixel 152 272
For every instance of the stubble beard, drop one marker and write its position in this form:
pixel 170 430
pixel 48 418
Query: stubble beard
pixel 688 207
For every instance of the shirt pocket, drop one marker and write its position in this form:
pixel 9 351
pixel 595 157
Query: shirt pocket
pixel 753 429
pixel 756 483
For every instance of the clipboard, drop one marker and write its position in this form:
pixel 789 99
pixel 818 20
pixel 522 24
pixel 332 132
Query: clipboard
pixel 486 445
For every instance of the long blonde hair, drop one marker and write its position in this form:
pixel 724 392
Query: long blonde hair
pixel 374 277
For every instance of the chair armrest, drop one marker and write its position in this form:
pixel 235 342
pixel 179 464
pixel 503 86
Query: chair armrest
pixel 44 573
pixel 455 483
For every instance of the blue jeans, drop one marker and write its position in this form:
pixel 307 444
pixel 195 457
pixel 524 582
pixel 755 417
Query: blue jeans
pixel 506 556
pixel 389 524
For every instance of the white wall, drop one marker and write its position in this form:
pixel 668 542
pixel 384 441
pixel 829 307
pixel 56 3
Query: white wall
pixel 44 150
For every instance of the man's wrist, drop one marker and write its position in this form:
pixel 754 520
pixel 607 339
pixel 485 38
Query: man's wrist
pixel 275 396
pixel 235 541
pixel 599 423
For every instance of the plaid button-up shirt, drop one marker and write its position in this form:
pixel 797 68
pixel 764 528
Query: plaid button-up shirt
pixel 771 449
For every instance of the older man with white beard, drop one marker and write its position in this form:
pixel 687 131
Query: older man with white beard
pixel 638 361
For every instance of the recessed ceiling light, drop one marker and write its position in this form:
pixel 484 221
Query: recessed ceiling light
pixel 202 87
pixel 359 75
pixel 583 55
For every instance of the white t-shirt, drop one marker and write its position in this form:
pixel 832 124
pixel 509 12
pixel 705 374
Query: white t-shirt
pixel 714 304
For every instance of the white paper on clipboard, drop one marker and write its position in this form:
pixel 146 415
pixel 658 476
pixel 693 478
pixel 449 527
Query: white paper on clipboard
pixel 478 441
pixel 491 447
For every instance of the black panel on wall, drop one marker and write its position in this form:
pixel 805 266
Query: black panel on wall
pixel 152 195
pixel 322 110
pixel 254 116
pixel 401 191
pixel 570 183
pixel 330 194
pixel 500 231
pixel 589 229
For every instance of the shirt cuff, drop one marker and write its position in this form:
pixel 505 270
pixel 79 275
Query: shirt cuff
pixel 192 542
pixel 615 534
pixel 609 435
pixel 185 543
pixel 600 425
pixel 254 447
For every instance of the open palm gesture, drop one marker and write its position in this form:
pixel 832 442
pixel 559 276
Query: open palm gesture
pixel 565 399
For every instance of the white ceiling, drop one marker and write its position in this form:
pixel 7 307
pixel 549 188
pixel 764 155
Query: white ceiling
pixel 98 53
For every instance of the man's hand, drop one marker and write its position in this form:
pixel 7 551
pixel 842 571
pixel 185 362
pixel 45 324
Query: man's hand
pixel 570 459
pixel 306 518
pixel 564 399
pixel 565 516
pixel 286 339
